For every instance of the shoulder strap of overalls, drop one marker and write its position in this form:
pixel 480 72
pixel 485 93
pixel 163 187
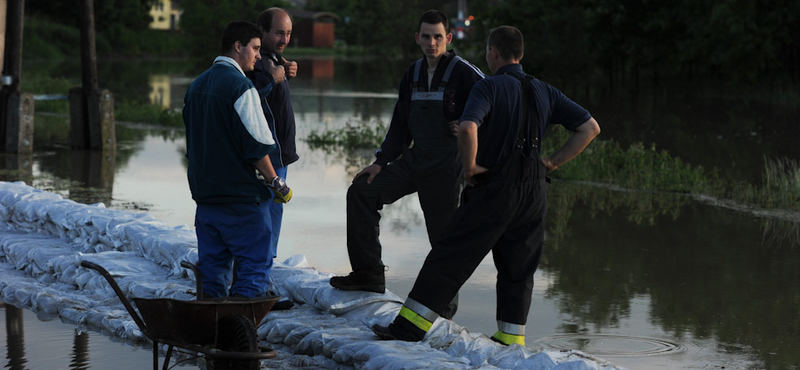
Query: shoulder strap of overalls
pixel 527 119
pixel 448 72
pixel 445 78
pixel 415 79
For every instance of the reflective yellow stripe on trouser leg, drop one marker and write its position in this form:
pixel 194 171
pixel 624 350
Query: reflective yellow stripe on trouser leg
pixel 509 339
pixel 417 314
pixel 415 319
pixel 510 333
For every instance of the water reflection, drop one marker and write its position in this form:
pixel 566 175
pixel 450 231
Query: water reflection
pixel 160 90
pixel 34 344
pixel 16 167
pixel 708 272
pixel 15 338
pixel 80 352
pixel 95 170
pixel 320 70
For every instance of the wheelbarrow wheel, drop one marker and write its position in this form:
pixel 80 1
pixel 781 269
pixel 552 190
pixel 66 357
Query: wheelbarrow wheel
pixel 238 334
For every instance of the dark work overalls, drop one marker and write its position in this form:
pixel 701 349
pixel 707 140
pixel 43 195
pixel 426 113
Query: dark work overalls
pixel 431 167
pixel 504 213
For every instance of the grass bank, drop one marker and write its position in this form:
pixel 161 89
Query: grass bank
pixel 637 167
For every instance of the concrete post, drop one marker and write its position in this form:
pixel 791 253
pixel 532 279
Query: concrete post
pixel 101 120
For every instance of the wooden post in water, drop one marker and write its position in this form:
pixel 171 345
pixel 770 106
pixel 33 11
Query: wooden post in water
pixel 91 108
pixel 16 120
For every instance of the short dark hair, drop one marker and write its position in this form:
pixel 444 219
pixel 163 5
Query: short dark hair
pixel 241 31
pixel 265 18
pixel 433 17
pixel 508 41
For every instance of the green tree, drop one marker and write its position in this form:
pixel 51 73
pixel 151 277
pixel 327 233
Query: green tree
pixel 121 28
pixel 738 42
pixel 110 16
pixel 742 40
pixel 381 27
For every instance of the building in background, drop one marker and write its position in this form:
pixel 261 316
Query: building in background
pixel 313 29
pixel 166 15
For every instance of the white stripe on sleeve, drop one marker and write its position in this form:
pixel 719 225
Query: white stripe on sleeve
pixel 248 106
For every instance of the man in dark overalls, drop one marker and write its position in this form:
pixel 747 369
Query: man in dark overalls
pixel 503 206
pixel 432 96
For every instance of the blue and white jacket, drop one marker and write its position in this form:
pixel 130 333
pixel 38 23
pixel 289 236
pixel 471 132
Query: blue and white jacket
pixel 226 134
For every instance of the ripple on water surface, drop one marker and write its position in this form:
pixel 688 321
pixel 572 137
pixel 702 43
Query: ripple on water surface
pixel 609 344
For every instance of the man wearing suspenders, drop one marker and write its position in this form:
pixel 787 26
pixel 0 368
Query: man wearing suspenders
pixel 433 92
pixel 503 206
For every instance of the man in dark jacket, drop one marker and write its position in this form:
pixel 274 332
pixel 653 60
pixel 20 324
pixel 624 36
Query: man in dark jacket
pixel 271 77
pixel 419 154
pixel 503 206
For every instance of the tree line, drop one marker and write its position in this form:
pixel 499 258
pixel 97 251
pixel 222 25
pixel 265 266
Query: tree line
pixel 738 42
pixel 735 42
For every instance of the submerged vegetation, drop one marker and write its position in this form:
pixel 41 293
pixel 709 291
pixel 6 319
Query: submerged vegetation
pixel 646 168
pixel 781 187
pixel 354 143
pixel 147 113
pixel 639 167
pixel 354 135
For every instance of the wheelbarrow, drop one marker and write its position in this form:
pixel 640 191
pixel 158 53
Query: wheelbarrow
pixel 221 329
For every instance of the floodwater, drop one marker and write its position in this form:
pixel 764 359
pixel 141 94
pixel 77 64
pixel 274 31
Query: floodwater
pixel 645 280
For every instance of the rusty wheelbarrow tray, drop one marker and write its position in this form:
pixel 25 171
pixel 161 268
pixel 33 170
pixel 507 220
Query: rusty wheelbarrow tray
pixel 223 330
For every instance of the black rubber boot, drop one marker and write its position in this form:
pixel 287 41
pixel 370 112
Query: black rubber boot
pixel 370 280
pixel 400 329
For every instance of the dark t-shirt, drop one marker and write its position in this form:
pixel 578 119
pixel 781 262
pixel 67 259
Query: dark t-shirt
pixel 495 105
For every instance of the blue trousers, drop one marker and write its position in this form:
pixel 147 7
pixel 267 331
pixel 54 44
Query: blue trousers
pixel 275 215
pixel 229 230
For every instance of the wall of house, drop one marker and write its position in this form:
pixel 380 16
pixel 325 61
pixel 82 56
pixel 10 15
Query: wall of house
pixel 323 35
pixel 160 13
pixel 165 16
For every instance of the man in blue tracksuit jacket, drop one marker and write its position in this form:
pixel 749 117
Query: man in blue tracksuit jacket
pixel 228 142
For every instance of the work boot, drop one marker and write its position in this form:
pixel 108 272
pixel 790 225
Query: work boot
pixel 370 280
pixel 283 303
pixel 400 329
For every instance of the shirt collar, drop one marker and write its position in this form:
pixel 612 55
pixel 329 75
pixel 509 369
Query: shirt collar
pixel 515 68
pixel 230 61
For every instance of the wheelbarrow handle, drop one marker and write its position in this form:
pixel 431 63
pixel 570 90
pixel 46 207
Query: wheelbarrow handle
pixel 124 299
pixel 197 277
